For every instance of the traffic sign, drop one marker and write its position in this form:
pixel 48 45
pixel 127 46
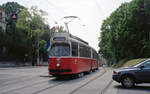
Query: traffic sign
pixel 47 46
pixel 14 16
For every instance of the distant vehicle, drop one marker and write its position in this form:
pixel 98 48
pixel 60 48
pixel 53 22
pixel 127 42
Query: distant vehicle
pixel 70 55
pixel 128 77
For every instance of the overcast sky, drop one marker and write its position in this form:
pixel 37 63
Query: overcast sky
pixel 91 14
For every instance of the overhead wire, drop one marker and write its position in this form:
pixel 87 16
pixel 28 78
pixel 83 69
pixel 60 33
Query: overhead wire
pixel 55 7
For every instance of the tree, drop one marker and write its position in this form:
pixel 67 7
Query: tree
pixel 128 32
pixel 33 24
pixel 10 36
pixel 20 38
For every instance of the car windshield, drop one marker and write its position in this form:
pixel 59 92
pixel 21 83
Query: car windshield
pixel 139 64
pixel 60 50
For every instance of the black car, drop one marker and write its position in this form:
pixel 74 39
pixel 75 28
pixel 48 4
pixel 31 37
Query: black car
pixel 130 76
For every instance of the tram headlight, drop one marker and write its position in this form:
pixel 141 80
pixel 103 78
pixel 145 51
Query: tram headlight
pixel 58 65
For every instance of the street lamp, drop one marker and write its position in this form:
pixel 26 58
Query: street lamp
pixel 146 7
pixel 114 48
pixel 38 48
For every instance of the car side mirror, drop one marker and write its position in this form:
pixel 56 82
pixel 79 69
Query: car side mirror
pixel 141 67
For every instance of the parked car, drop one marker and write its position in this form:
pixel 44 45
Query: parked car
pixel 130 76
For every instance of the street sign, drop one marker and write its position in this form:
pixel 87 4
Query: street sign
pixel 47 46
pixel 14 16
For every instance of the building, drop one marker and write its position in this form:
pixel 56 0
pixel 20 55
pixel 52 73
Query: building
pixel 2 19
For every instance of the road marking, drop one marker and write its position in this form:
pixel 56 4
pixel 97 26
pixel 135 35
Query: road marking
pixel 48 88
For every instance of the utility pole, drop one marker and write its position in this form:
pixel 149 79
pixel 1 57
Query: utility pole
pixel 38 54
pixel 146 7
pixel 114 48
pixel 114 55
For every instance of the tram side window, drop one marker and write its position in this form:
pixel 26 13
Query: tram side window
pixel 74 49
pixel 95 55
pixel 88 50
pixel 84 51
pixel 81 50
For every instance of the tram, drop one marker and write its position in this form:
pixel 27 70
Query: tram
pixel 70 55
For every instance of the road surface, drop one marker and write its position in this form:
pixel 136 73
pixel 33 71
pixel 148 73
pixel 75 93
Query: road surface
pixel 35 80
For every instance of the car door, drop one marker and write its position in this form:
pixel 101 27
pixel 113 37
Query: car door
pixel 146 71
pixel 143 73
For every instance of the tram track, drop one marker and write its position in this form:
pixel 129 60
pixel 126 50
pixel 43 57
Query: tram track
pixel 18 80
pixel 55 84
pixel 23 87
pixel 38 83
pixel 78 88
pixel 49 87
pixel 106 88
pixel 100 92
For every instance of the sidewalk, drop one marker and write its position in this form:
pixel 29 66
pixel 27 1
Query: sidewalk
pixel 19 64
pixel 13 64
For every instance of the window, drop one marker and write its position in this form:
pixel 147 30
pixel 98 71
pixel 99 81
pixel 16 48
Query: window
pixel 81 50
pixel 85 51
pixel 88 51
pixel 95 55
pixel 74 48
pixel 147 65
pixel 59 38
pixel 60 50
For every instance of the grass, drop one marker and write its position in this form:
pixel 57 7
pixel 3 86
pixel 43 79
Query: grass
pixel 133 62
pixel 125 62
pixel 120 63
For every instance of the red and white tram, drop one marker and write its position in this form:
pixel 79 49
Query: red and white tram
pixel 70 55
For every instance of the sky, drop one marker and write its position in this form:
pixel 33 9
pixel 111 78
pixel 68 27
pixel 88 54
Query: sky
pixel 91 14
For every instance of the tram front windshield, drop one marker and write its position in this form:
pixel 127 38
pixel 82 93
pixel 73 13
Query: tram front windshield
pixel 60 49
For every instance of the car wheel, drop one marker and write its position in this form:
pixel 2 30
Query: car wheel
pixel 127 82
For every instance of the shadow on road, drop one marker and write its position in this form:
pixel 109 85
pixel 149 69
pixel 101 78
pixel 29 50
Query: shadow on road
pixel 137 88
pixel 72 78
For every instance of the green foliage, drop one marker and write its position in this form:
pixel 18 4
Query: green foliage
pixel 24 20
pixel 126 30
pixel 9 39
pixel 35 28
pixel 12 7
pixel 42 46
pixel 21 36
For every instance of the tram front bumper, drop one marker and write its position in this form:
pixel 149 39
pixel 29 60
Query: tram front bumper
pixel 60 71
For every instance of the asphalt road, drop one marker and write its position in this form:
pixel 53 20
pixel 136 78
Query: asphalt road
pixel 35 80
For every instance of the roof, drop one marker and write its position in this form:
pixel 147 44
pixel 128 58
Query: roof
pixel 2 9
pixel 68 35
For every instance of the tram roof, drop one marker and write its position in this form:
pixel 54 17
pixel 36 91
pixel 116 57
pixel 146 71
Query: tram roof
pixel 68 35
